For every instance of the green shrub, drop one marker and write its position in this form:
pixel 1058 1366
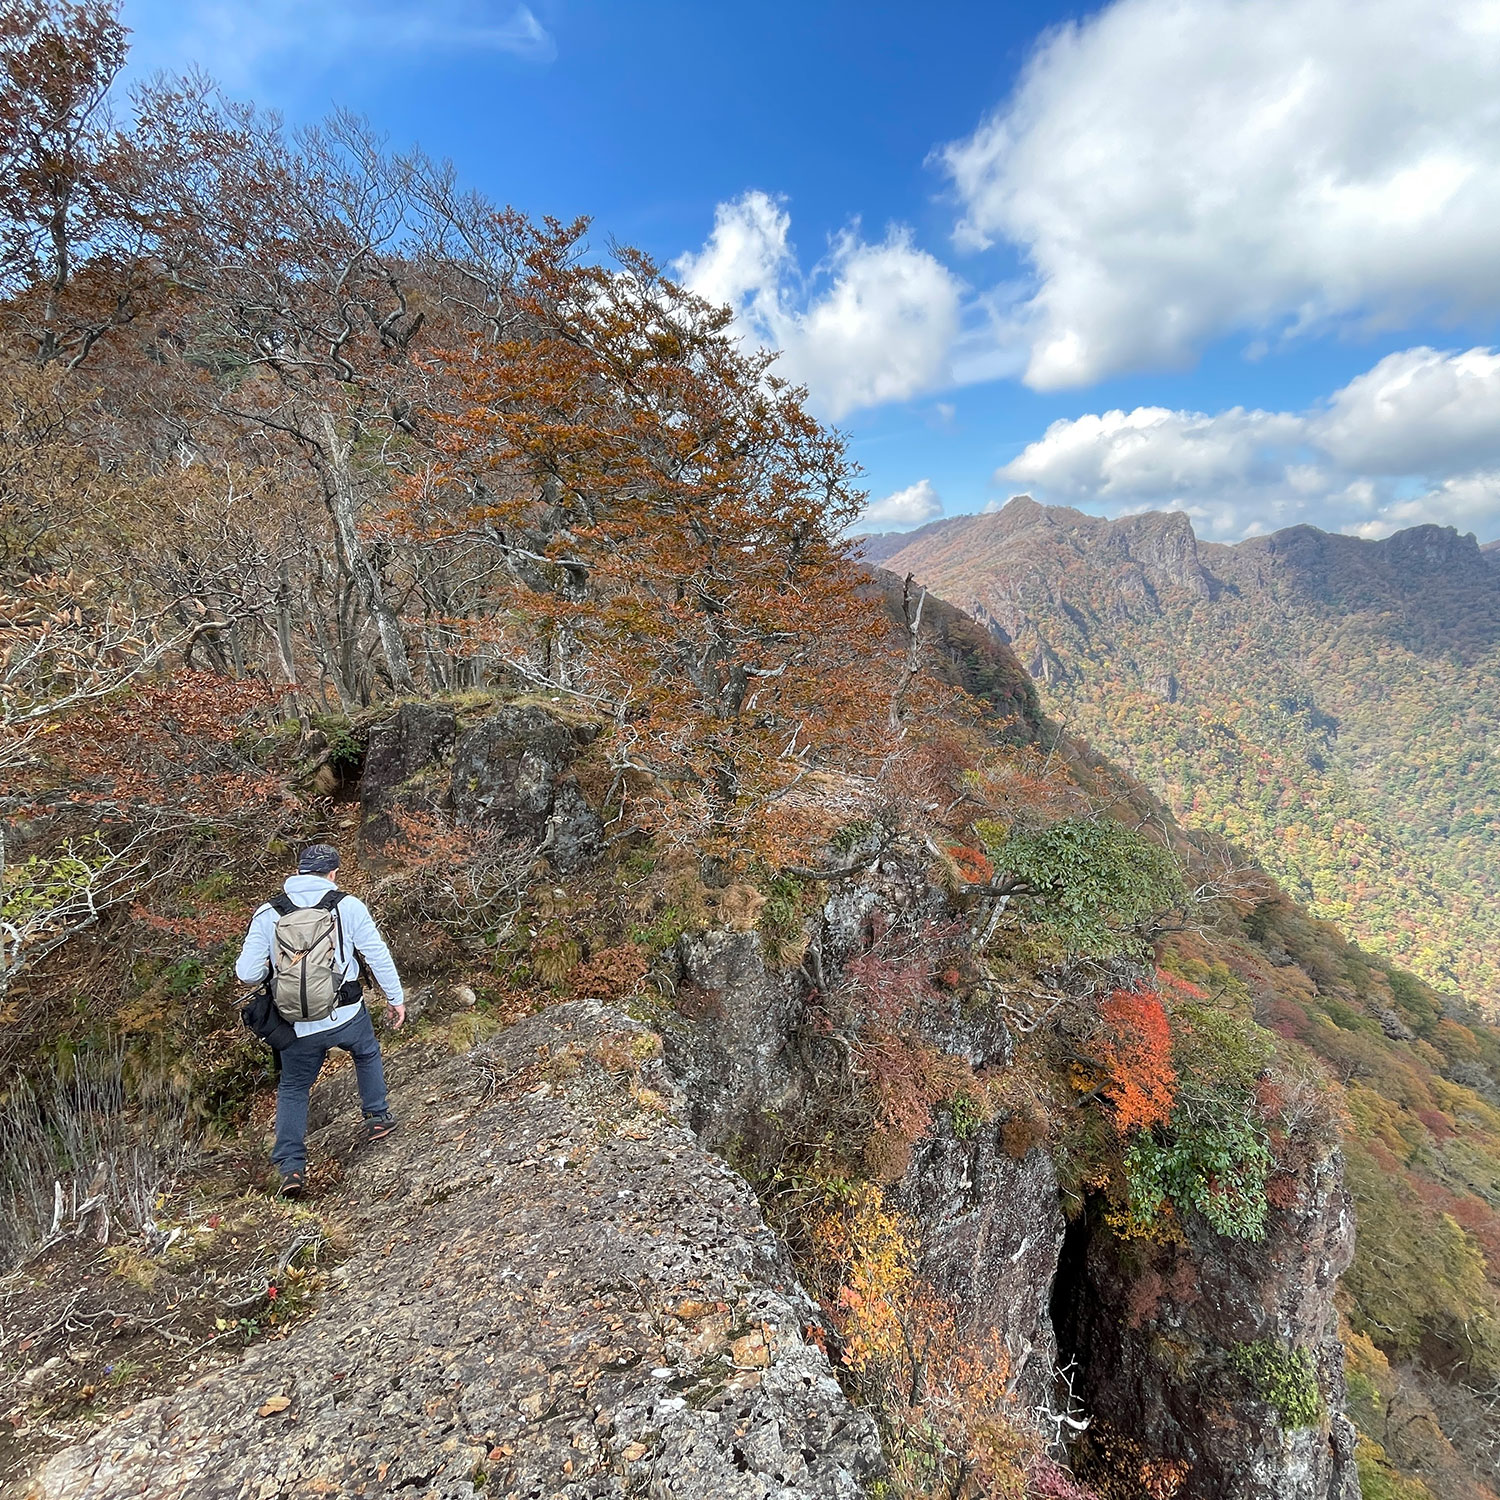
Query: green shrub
pixel 1284 1379
pixel 1218 1167
pixel 782 914
pixel 346 750
pixel 1097 887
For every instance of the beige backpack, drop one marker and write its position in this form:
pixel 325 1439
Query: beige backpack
pixel 307 967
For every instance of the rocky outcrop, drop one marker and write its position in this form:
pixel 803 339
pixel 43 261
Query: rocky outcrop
pixel 730 1046
pixel 1151 1351
pixel 557 1292
pixel 1203 1353
pixel 508 771
pixel 397 752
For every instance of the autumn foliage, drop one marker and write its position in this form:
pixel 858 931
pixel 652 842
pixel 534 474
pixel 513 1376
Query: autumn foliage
pixel 1136 1048
pixel 668 520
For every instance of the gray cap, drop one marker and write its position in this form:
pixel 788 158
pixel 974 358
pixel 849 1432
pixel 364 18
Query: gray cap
pixel 318 859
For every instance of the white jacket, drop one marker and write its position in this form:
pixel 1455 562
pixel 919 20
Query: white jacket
pixel 361 939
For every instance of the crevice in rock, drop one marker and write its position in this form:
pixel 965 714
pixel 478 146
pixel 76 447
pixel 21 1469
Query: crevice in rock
pixel 1068 1308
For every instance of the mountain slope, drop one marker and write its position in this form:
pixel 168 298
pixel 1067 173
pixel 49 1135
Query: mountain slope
pixel 1327 703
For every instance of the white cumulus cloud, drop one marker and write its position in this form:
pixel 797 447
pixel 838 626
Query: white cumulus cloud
pixel 913 506
pixel 871 323
pixel 1418 411
pixel 1177 170
pixel 1416 438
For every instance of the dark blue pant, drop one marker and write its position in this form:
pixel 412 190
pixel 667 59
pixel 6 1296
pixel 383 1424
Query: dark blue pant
pixel 300 1065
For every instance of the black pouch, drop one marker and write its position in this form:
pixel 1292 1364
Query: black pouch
pixel 262 1019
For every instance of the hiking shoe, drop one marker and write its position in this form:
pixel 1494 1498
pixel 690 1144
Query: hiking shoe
pixel 377 1127
pixel 294 1183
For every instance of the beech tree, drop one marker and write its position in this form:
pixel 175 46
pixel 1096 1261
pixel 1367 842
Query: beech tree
pixel 669 520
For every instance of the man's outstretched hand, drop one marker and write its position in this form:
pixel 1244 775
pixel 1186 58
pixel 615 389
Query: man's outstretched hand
pixel 396 1015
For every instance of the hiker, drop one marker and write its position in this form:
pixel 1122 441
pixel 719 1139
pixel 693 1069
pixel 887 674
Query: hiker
pixel 307 945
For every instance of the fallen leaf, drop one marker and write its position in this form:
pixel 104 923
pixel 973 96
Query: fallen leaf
pixel 633 1452
pixel 273 1405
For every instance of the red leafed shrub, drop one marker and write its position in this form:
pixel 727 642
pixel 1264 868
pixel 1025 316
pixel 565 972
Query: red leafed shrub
pixel 1136 1050
pixel 973 865
pixel 1439 1126
pixel 611 973
pixel 1283 1190
pixel 908 1077
pixel 166 745
pixel 1270 1099
pixel 889 989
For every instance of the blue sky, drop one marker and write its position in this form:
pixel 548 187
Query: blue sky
pixel 1228 256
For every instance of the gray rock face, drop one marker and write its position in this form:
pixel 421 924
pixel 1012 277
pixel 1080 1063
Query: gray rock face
pixel 557 1293
pixel 418 736
pixel 731 1047
pixel 1154 1348
pixel 1156 1358
pixel 509 773
pixel 992 1231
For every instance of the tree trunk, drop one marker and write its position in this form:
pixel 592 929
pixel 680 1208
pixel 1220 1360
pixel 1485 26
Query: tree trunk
pixel 338 489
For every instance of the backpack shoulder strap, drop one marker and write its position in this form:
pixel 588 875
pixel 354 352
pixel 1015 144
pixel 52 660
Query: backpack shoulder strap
pixel 331 900
pixel 282 905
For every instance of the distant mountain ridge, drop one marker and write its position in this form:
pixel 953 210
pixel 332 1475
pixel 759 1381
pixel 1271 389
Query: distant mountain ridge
pixel 1330 703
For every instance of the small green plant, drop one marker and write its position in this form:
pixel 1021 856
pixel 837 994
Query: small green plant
pixel 345 749
pixel 781 916
pixel 213 887
pixel 967 1113
pixel 1284 1379
pixel 662 931
pixel 183 977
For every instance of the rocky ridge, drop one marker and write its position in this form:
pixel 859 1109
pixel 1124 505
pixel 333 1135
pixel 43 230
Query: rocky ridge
pixel 558 1292
pixel 562 1291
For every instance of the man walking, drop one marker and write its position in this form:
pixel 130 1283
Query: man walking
pixel 353 936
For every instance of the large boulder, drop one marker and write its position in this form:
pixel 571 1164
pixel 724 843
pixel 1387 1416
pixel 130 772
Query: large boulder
pixel 510 773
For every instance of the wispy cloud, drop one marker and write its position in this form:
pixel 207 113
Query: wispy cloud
pixel 271 47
